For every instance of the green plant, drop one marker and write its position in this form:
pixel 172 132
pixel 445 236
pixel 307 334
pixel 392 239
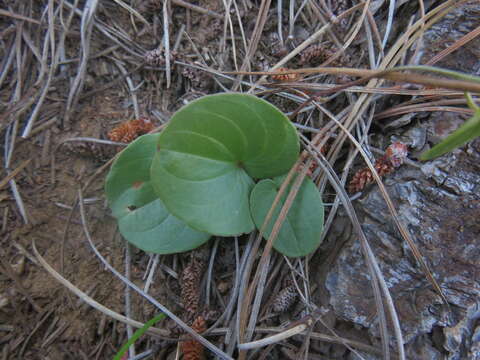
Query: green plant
pixel 136 335
pixel 171 191
pixel 468 131
pixel 142 218
pixel 302 229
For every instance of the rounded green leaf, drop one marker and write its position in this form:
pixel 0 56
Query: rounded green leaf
pixel 142 218
pixel 209 153
pixel 301 231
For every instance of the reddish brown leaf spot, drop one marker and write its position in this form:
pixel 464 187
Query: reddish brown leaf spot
pixel 137 184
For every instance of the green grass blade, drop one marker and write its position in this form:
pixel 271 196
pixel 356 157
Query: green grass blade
pixel 468 131
pixel 471 103
pixel 137 334
pixel 446 72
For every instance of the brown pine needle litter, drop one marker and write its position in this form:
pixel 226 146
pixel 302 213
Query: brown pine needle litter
pixel 63 60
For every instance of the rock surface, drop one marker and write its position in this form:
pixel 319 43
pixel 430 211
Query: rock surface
pixel 440 206
pixel 439 203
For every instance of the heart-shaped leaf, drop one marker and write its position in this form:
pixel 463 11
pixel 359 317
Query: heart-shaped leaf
pixel 209 153
pixel 142 218
pixel 301 231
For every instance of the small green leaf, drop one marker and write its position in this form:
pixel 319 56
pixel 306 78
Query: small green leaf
pixel 142 218
pixel 301 231
pixel 136 335
pixel 468 131
pixel 209 153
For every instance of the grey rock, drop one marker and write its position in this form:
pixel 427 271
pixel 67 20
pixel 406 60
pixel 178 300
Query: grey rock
pixel 452 27
pixel 462 340
pixel 440 204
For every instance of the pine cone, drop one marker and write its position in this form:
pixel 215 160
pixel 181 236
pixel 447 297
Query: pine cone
pixel 284 77
pixel 315 52
pixel 365 177
pixel 394 156
pixel 130 130
pixel 396 153
pixel 190 285
pixel 154 57
pixel 383 167
pixel 285 298
pixel 192 349
pixel 361 179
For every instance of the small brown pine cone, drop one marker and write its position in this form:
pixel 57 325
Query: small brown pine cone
pixel 285 299
pixel 362 178
pixel 394 156
pixel 317 54
pixel 396 153
pixel 118 132
pixel 192 349
pixel 130 130
pixel 144 125
pixel 125 132
pixel 190 286
pixel 383 166
pixel 284 77
pixel 313 52
pixel 154 57
pixel 199 325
